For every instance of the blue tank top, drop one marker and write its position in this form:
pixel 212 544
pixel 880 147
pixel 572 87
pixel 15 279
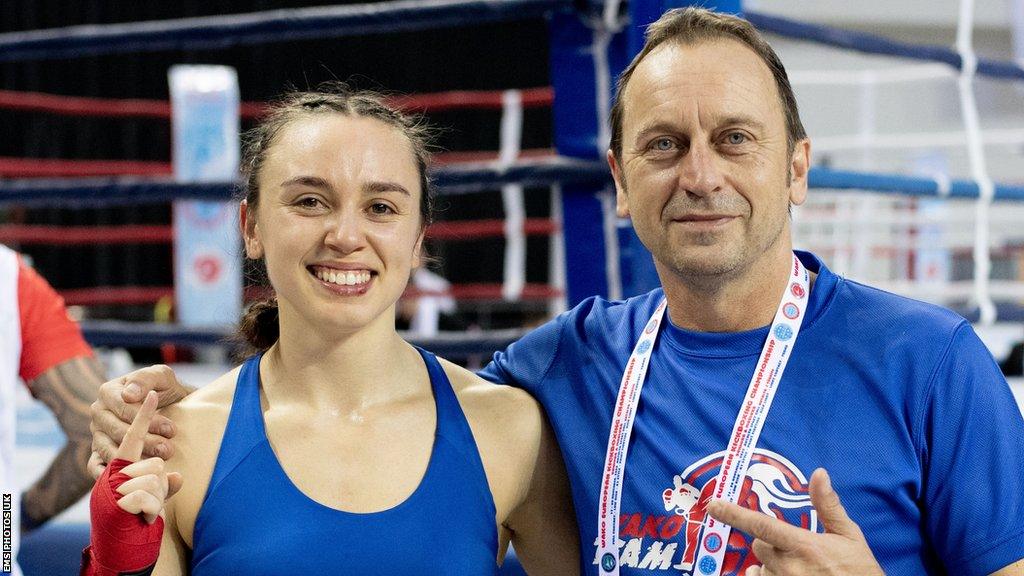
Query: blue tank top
pixel 255 521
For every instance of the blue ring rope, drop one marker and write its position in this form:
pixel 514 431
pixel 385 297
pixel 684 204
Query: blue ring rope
pixel 448 181
pixel 907 185
pixel 215 32
pixel 874 44
pixel 81 192
pixel 116 333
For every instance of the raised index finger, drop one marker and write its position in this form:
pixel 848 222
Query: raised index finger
pixel 135 439
pixel 772 530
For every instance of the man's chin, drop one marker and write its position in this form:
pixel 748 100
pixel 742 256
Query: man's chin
pixel 703 264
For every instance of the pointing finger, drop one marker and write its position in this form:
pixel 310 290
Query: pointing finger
pixel 772 530
pixel 135 439
pixel 764 551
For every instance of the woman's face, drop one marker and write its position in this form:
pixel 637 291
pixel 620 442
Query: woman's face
pixel 338 221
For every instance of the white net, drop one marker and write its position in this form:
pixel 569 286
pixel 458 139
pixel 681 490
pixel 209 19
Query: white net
pixel 896 116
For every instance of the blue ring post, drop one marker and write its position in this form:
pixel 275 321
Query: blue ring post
pixel 575 124
pixel 576 127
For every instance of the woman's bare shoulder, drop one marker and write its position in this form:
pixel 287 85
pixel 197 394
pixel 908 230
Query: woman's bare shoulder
pixel 200 420
pixel 501 404
pixel 211 401
pixel 507 423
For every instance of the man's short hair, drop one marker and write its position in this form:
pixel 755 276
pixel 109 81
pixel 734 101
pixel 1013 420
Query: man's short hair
pixel 689 26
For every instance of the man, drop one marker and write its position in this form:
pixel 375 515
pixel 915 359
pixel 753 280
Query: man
pixel 899 400
pixel 41 346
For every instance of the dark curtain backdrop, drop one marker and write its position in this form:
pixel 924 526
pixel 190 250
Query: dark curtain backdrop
pixel 512 55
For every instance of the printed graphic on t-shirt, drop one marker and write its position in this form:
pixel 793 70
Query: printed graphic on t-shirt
pixel 667 539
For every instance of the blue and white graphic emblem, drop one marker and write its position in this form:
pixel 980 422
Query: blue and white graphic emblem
pixel 783 332
pixel 789 310
pixel 708 565
pixel 651 326
pixel 712 543
pixel 608 562
pixel 644 346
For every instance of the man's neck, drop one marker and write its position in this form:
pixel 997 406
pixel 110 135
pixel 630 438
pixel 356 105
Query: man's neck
pixel 730 303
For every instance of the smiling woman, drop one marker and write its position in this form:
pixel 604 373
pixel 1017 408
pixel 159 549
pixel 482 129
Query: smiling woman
pixel 358 451
pixel 334 216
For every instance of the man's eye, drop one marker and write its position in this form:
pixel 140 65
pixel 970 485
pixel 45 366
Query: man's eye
pixel 735 138
pixel 663 144
pixel 309 202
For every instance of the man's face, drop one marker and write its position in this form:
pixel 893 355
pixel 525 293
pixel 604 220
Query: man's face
pixel 705 173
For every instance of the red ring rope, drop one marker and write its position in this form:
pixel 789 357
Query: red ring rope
pixel 60 168
pixel 157 234
pixel 144 295
pixel 114 107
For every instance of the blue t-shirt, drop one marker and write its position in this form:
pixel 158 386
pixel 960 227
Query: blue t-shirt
pixel 899 400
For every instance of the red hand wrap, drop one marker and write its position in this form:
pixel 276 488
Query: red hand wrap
pixel 121 543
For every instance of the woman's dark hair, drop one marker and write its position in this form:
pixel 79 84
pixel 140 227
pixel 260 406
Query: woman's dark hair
pixel 259 326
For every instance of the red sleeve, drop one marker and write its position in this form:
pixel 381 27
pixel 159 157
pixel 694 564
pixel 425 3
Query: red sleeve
pixel 48 336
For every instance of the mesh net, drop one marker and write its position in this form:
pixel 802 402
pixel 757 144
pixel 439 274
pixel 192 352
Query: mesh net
pixel 890 115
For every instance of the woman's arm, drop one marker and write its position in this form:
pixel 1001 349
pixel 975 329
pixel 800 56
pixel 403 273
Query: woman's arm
pixel 543 526
pixel 127 510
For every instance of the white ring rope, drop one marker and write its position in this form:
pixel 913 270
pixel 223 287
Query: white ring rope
pixel 602 88
pixel 979 170
pixel 556 262
pixel 512 197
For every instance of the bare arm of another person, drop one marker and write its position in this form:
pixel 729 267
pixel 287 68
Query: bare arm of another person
pixel 66 389
pixel 117 404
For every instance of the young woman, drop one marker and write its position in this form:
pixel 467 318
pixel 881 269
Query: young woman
pixel 341 448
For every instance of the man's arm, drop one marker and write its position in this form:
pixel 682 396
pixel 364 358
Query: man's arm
pixel 117 404
pixel 67 389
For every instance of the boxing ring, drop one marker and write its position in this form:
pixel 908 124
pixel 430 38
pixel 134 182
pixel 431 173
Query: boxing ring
pixel 931 218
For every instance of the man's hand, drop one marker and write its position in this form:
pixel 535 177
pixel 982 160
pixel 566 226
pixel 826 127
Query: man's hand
pixel 785 550
pixel 119 402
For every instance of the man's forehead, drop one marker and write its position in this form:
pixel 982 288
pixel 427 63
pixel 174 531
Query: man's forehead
pixel 714 56
pixel 721 69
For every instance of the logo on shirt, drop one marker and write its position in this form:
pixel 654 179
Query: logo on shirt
pixel 668 539
pixel 797 290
